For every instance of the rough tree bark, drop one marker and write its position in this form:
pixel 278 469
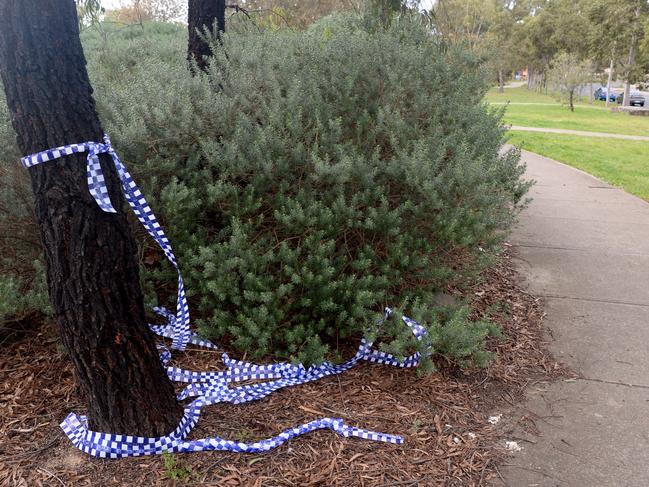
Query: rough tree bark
pixel 203 14
pixel 92 270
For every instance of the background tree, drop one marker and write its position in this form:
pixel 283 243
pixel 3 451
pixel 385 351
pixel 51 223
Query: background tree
pixel 383 10
pixel 618 30
pixel 571 34
pixel 203 15
pixel 603 40
pixel 551 27
pixel 299 15
pixel 634 12
pixel 568 74
pixel 89 11
pixel 643 58
pixel 500 39
pixel 138 11
pixel 90 255
pixel 490 29
pixel 462 21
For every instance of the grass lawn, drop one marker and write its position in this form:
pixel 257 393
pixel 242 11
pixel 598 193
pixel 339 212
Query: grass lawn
pixel 552 114
pixel 622 163
pixel 523 95
pixel 518 95
pixel 581 119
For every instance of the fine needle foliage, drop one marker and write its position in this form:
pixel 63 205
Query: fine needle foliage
pixel 313 178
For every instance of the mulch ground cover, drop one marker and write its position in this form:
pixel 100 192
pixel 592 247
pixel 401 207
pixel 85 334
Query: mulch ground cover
pixel 443 416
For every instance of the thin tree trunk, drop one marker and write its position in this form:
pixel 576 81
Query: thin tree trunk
pixel 608 82
pixel 92 270
pixel 630 63
pixel 501 81
pixel 571 99
pixel 590 92
pixel 203 14
pixel 544 81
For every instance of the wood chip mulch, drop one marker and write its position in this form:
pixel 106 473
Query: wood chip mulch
pixel 443 416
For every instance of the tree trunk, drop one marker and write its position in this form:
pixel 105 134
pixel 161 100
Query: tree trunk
pixel 630 63
pixel 501 81
pixel 609 81
pixel 571 100
pixel 590 92
pixel 92 270
pixel 203 14
pixel 544 82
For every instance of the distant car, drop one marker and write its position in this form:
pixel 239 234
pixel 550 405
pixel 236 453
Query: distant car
pixel 600 94
pixel 636 99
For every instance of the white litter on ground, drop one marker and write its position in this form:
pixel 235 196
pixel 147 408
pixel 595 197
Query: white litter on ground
pixel 513 446
pixel 495 419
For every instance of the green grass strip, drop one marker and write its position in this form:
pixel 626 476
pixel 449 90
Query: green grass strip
pixel 531 109
pixel 622 163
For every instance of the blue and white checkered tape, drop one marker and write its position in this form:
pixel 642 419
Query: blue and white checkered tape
pixel 207 387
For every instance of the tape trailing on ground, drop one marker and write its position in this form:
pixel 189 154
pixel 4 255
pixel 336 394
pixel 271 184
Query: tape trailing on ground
pixel 206 387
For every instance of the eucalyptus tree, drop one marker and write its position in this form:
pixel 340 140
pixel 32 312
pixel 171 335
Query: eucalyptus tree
pixel 619 29
pixel 90 255
pixel 203 16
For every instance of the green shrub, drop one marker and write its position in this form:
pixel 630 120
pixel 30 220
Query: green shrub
pixel 22 277
pixel 450 334
pixel 18 301
pixel 313 178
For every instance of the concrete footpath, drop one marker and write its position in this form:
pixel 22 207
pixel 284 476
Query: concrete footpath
pixel 581 133
pixel 583 246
